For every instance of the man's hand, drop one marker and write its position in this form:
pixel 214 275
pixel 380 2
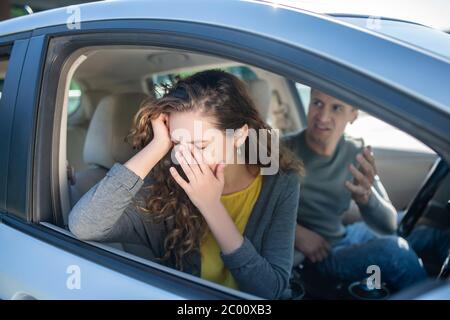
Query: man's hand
pixel 311 244
pixel 363 177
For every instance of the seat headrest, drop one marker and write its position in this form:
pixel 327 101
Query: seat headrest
pixel 261 94
pixel 89 101
pixel 112 120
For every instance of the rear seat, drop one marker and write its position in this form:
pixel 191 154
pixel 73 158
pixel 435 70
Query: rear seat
pixel 77 127
pixel 261 93
pixel 105 140
pixel 105 145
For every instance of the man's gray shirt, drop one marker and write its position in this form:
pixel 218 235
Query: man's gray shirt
pixel 324 197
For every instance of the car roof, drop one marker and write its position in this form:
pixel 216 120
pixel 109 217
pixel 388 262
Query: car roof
pixel 430 39
pixel 432 13
pixel 369 52
pixel 123 9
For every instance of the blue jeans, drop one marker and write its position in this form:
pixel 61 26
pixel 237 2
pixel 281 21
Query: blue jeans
pixel 425 239
pixel 399 264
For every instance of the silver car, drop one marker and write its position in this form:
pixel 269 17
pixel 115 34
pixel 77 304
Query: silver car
pixel 57 66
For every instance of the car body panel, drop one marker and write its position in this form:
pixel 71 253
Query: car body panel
pixel 26 270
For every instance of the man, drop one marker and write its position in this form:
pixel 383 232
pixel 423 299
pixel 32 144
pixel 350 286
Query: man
pixel 339 169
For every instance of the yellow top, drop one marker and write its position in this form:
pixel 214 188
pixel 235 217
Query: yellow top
pixel 239 206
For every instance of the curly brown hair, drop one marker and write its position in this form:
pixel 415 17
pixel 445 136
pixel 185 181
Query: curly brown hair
pixel 224 98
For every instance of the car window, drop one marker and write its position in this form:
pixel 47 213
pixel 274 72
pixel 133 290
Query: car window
pixel 375 132
pixel 74 97
pixel 401 173
pixel 18 11
pixel 242 72
pixel 378 133
pixel 83 147
pixel 3 68
pixel 304 95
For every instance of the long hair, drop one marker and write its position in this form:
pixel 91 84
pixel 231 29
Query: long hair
pixel 225 99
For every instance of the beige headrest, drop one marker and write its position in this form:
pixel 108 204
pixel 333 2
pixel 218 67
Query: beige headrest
pixel 105 141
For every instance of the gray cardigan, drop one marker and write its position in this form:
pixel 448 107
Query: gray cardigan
pixel 261 266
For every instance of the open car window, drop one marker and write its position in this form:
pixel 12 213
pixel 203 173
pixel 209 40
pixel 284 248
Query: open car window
pixel 89 141
pixel 401 170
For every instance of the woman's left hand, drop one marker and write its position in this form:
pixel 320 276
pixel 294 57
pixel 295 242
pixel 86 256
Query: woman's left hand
pixel 204 187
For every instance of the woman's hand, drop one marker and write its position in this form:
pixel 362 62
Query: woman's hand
pixel 161 136
pixel 144 161
pixel 204 187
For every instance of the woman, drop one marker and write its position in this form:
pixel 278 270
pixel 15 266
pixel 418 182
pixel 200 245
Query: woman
pixel 205 209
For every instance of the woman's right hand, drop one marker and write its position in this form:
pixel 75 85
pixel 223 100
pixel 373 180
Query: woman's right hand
pixel 161 136
pixel 144 161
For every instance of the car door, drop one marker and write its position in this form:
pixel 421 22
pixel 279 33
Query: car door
pixel 41 260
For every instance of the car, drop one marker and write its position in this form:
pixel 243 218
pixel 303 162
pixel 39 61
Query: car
pixel 65 72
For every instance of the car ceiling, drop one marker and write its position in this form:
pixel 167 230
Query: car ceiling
pixel 110 67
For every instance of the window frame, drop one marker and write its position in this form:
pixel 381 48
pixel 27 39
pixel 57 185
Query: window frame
pixel 38 199
pixel 14 48
pixel 5 130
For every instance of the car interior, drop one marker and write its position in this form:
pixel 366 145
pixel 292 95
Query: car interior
pixel 106 88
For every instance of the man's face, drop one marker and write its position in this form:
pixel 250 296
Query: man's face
pixel 327 118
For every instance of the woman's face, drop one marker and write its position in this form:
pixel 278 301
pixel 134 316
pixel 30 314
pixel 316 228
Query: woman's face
pixel 195 130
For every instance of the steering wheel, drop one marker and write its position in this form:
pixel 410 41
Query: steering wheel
pixel 418 205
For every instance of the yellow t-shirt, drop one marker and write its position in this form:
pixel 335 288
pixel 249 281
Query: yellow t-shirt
pixel 239 206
